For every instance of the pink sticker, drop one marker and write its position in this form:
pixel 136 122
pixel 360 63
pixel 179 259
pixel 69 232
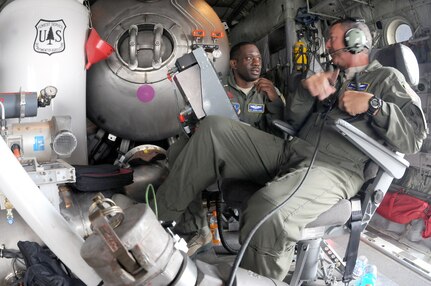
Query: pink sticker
pixel 145 93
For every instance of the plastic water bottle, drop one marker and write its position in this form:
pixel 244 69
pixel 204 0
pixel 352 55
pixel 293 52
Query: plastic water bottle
pixel 214 229
pixel 370 276
pixel 358 271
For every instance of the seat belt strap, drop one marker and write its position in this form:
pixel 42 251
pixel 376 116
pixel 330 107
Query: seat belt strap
pixel 353 245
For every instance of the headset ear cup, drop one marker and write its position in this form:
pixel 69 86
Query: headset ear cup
pixel 355 40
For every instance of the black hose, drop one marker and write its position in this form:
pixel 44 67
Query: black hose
pixel 220 226
pixel 247 240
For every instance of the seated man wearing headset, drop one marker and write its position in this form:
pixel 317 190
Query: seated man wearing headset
pixel 375 99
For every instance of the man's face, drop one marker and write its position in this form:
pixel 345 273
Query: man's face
pixel 248 63
pixel 335 45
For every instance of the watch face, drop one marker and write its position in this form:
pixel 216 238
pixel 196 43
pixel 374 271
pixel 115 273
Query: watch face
pixel 375 103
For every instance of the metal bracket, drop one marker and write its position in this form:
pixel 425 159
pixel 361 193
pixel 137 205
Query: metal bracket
pixel 21 104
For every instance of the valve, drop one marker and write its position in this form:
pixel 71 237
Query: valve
pixel 9 215
pixel 46 95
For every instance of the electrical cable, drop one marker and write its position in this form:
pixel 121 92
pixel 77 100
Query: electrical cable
pixel 270 213
pixel 151 188
pixel 220 226
pixel 16 256
pixel 14 268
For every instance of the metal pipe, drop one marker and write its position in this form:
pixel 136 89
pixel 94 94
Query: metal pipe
pixel 319 14
pixel 42 216
pixel 185 13
pixel 291 36
pixel 237 10
pixel 362 2
pixel 202 15
pixel 415 40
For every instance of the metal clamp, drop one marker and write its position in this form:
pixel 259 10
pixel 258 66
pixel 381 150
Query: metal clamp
pixel 157 50
pixel 107 208
pixel 21 104
pixel 156 47
pixel 104 227
pixel 133 51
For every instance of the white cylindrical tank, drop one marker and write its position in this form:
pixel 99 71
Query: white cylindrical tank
pixel 42 43
pixel 41 215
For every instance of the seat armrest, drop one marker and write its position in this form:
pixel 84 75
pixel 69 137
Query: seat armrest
pixel 391 162
pixel 284 126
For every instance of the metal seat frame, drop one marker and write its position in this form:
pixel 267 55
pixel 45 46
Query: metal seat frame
pixel 391 165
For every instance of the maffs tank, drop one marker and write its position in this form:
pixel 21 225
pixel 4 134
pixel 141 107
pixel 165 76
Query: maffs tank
pixel 129 94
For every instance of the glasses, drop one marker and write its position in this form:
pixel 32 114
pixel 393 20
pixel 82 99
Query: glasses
pixel 251 59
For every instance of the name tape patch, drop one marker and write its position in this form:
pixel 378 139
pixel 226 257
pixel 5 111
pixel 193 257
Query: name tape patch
pixel 256 108
pixel 363 86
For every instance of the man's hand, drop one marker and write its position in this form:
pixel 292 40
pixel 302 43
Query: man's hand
pixel 321 85
pixel 354 102
pixel 266 86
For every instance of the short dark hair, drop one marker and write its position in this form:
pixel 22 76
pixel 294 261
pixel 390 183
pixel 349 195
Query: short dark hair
pixel 234 51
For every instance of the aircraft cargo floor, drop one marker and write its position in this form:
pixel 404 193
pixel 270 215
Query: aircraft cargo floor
pixel 397 265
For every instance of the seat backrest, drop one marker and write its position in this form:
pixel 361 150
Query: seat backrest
pixel 391 165
pixel 400 57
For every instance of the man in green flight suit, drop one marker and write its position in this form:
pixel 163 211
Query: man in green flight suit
pixel 255 99
pixel 257 102
pixel 222 148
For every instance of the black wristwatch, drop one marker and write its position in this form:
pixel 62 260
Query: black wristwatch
pixel 374 104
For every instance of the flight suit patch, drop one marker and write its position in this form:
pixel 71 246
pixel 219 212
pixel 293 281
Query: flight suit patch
pixel 237 107
pixel 230 95
pixel 363 86
pixel 256 108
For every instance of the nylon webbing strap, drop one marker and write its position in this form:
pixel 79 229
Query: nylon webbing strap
pixel 353 245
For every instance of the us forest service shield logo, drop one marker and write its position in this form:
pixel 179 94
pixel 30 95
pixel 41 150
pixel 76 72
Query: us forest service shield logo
pixel 49 37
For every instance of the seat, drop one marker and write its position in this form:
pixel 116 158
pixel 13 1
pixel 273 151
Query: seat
pixel 353 215
pixel 350 216
pixel 402 58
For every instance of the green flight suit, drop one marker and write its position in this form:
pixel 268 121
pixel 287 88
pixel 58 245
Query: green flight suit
pixel 253 108
pixel 222 148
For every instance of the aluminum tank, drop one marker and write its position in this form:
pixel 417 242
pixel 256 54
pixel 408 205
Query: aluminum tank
pixel 43 45
pixel 129 94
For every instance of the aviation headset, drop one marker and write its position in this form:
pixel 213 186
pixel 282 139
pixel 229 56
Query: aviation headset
pixel 354 38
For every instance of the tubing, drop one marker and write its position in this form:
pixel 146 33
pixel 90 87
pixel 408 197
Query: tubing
pixel 42 216
pixel 220 226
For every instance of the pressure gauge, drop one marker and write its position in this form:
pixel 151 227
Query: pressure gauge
pixel 50 91
pixel 46 95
